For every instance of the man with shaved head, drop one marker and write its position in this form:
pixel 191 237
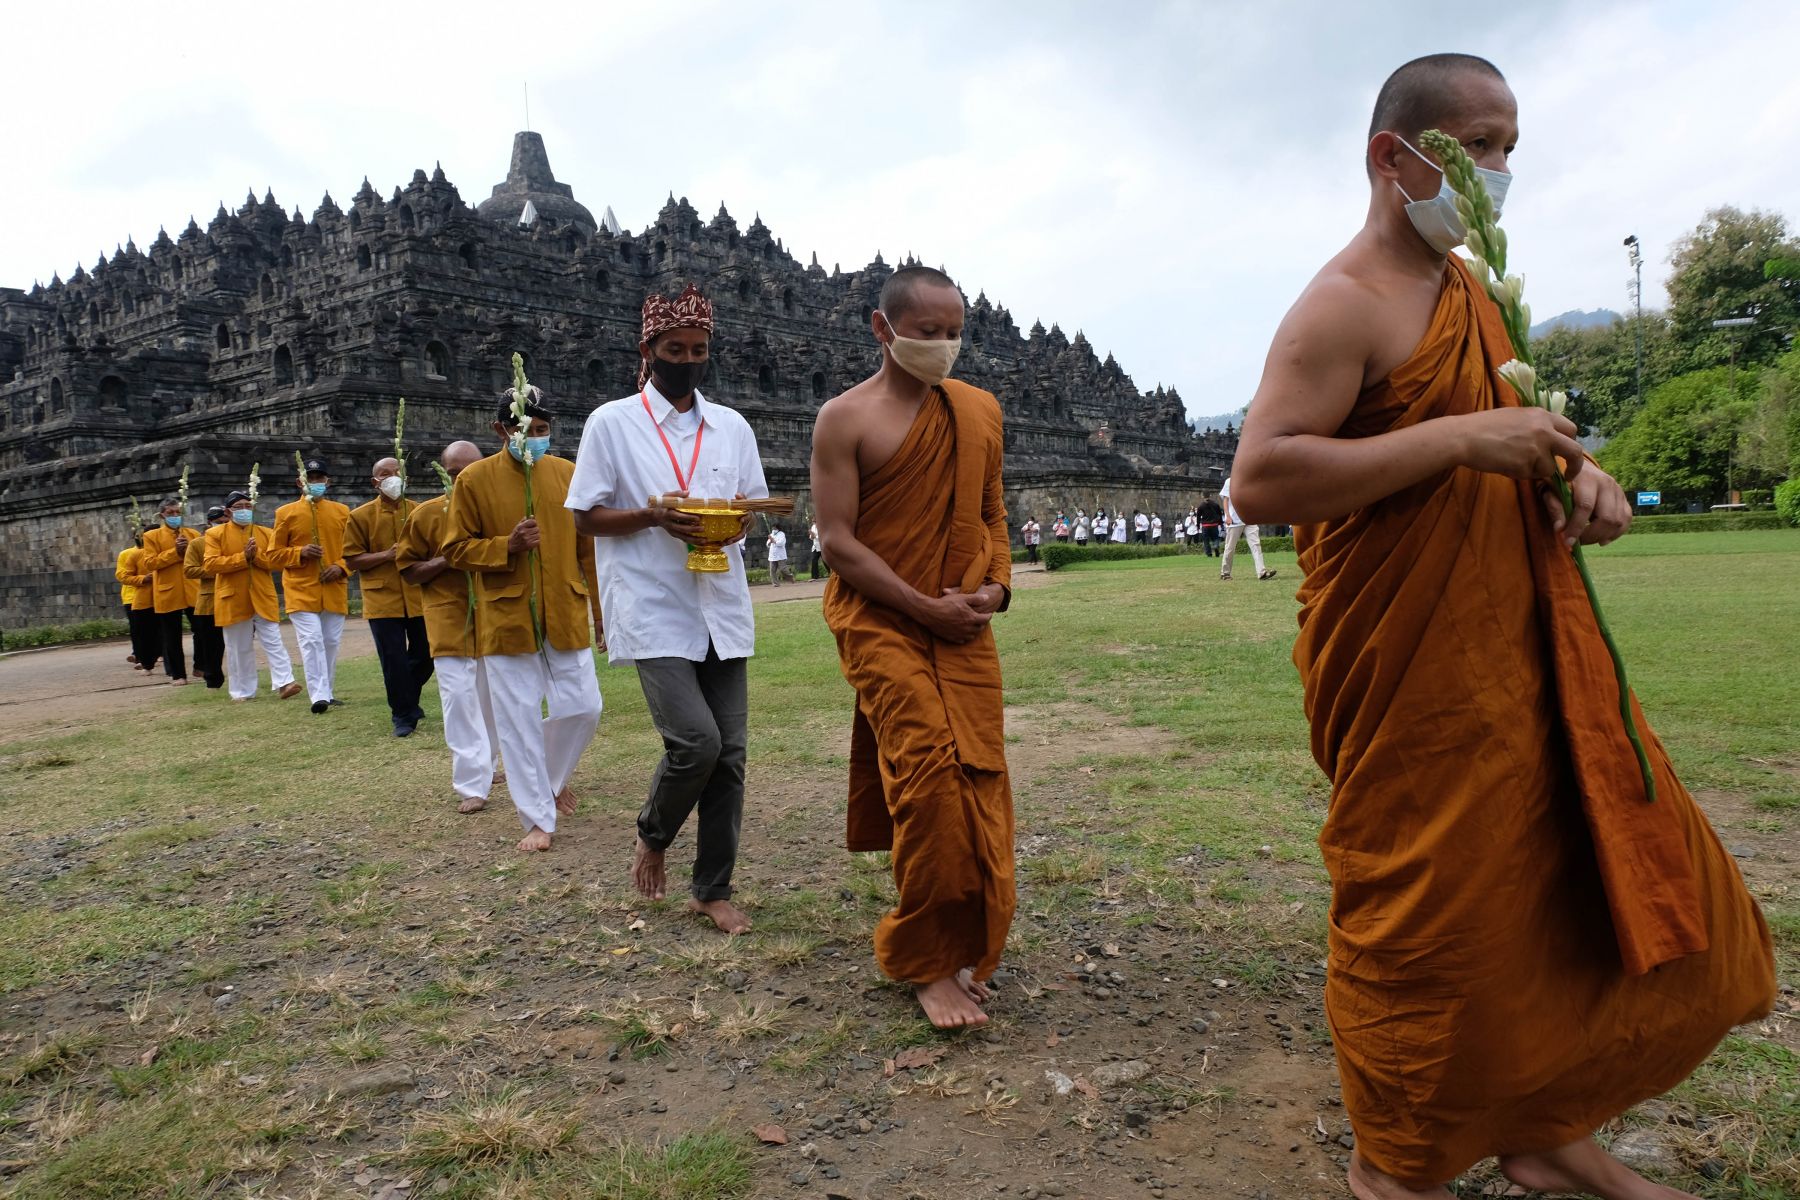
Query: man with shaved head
pixel 906 481
pixel 1523 944
pixel 393 606
pixel 450 616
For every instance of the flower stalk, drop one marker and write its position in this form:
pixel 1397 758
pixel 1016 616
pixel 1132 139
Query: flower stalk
pixel 1487 242
pixel 181 491
pixel 521 391
pixel 312 506
pixel 255 490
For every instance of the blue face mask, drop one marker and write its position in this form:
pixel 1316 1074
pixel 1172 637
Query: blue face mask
pixel 173 522
pixel 536 446
pixel 241 516
pixel 317 490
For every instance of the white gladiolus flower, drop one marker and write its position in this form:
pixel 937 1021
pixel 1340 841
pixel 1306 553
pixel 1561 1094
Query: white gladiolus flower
pixel 1522 378
pixel 1557 402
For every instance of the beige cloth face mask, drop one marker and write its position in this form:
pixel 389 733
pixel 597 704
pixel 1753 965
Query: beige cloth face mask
pixel 926 359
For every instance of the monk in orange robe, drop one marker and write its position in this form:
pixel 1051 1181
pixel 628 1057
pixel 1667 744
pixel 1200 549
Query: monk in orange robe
pixel 1522 944
pixel 906 481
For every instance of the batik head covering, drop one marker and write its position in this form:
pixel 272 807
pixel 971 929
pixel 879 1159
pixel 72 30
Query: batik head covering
pixel 690 310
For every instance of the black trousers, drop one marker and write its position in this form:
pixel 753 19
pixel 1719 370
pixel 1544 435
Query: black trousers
pixel 1031 552
pixel 817 558
pixel 405 662
pixel 209 649
pixel 168 630
pixel 702 710
pixel 145 643
pixel 1143 537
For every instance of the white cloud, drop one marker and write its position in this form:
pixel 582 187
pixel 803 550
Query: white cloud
pixel 1164 177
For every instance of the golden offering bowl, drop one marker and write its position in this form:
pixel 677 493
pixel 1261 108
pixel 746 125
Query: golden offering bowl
pixel 717 526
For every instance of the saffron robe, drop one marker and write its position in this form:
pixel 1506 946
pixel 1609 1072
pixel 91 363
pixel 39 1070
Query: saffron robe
pixel 374 527
pixel 164 563
pixel 449 599
pixel 297 525
pixel 1521 946
pixel 928 775
pixel 126 571
pixel 193 564
pixel 241 589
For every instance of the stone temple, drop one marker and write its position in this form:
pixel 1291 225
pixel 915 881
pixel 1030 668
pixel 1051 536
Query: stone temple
pixel 266 332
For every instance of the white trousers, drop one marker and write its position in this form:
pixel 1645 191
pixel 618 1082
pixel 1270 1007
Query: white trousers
pixel 468 725
pixel 240 657
pixel 541 751
pixel 319 635
pixel 1252 535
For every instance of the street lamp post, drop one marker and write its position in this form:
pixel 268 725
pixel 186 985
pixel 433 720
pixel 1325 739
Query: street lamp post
pixel 1637 303
pixel 1731 451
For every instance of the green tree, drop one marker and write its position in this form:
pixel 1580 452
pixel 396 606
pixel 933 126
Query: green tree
pixel 1597 367
pixel 1769 442
pixel 1720 271
pixel 1685 441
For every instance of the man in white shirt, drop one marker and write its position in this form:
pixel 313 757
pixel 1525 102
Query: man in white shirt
pixel 812 534
pixel 777 556
pixel 1156 529
pixel 689 633
pixel 1234 526
pixel 1141 524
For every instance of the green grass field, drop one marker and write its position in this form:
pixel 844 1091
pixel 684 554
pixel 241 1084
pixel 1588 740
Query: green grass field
pixel 216 914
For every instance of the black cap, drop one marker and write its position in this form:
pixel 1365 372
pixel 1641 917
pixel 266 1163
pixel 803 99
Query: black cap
pixel 535 408
pixel 235 497
pixel 316 466
pixel 217 511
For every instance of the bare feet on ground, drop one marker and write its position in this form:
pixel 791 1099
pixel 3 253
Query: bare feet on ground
pixel 1584 1168
pixel 647 872
pixel 1366 1183
pixel 976 990
pixel 566 802
pixel 536 840
pixel 471 804
pixel 723 913
pixel 948 1004
pixel 499 779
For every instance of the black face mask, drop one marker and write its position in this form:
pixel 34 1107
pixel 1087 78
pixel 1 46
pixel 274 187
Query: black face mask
pixel 675 380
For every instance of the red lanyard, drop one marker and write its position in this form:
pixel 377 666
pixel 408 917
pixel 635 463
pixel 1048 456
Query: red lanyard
pixel 699 433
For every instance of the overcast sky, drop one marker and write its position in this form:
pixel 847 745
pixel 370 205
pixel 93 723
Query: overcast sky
pixel 1164 177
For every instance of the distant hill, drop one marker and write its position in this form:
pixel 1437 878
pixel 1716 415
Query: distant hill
pixel 1576 319
pixel 1234 419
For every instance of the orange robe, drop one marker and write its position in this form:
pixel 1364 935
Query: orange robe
pixel 374 527
pixel 1521 947
pixel 449 599
pixel 164 563
pixel 241 589
pixel 928 773
pixel 298 524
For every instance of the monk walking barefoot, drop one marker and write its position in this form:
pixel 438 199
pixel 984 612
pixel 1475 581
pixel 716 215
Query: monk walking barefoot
pixel 535 841
pixel 1523 944
pixel 647 873
pixel 906 480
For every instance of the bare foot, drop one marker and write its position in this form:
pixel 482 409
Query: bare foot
pixel 1366 1183
pixel 566 802
pixel 647 872
pixel 471 804
pixel 499 779
pixel 1584 1167
pixel 947 1005
pixel 976 990
pixel 723 913
pixel 536 840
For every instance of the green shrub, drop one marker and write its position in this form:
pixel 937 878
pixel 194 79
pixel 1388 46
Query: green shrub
pixel 1756 497
pixel 1058 554
pixel 1787 501
pixel 63 635
pixel 1723 522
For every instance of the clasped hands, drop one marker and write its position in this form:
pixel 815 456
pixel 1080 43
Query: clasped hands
pixel 957 616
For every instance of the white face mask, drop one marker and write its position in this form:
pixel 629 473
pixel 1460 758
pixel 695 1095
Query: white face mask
pixel 393 487
pixel 1436 219
pixel 926 359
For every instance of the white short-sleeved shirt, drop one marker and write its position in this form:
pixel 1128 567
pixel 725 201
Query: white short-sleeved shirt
pixel 1231 512
pixel 653 606
pixel 777 546
pixel 1141 521
pixel 1156 525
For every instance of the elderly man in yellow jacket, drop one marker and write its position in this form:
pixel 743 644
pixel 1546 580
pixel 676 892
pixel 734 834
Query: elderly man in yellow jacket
pixel 129 571
pixel 488 534
pixel 450 620
pixel 244 604
pixel 308 550
pixel 209 643
pixel 392 606
pixel 165 552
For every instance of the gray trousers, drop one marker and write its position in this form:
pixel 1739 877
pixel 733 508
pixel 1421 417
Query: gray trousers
pixel 702 710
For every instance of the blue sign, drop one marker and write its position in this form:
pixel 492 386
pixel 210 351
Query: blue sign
pixel 1649 499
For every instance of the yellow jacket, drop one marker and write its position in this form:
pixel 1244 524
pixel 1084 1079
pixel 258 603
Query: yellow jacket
pixel 375 527
pixel 163 556
pixel 194 566
pixel 487 502
pixel 449 599
pixel 293 533
pixel 126 572
pixel 241 590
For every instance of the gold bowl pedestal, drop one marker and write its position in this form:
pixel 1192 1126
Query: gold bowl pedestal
pixel 717 526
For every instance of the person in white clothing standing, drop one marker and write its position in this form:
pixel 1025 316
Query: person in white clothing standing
pixel 690 634
pixel 1234 526
pixel 1121 532
pixel 777 555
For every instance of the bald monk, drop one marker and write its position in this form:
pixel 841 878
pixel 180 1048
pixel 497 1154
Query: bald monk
pixel 906 480
pixel 450 618
pixel 392 606
pixel 1522 947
